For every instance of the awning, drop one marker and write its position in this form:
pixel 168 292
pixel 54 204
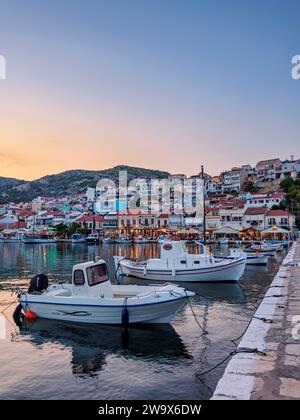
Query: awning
pixel 275 229
pixel 227 230
pixel 189 232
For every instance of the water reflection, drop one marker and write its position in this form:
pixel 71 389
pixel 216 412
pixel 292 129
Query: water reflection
pixel 90 345
pixel 105 362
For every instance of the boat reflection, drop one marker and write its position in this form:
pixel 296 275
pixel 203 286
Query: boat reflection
pixel 225 292
pixel 91 344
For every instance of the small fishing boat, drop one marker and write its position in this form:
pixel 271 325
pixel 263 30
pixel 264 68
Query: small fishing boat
pixel 252 258
pixel 224 241
pixel 140 240
pixel 176 264
pixel 251 250
pixel 267 247
pixel 108 240
pixel 78 238
pixel 123 240
pixel 11 237
pixel 39 238
pixel 91 298
pixel 255 259
pixel 93 238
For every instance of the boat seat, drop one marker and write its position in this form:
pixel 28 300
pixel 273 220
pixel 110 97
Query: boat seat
pixel 60 292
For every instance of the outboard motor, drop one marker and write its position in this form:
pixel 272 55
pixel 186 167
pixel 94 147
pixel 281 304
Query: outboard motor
pixel 38 284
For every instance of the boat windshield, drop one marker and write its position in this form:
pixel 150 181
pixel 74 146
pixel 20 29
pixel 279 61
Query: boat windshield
pixel 97 274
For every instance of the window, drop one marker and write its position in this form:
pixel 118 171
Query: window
pixel 78 278
pixel 97 274
pixel 183 262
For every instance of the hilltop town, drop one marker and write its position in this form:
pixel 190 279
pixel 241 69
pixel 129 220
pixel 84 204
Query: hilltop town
pixel 240 199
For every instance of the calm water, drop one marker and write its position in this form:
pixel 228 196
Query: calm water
pixel 48 359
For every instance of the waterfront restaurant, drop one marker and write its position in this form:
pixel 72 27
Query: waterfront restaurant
pixel 144 224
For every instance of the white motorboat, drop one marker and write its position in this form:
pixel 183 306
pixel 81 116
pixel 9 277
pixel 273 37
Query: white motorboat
pixel 91 298
pixel 77 238
pixel 39 238
pixel 93 238
pixel 176 264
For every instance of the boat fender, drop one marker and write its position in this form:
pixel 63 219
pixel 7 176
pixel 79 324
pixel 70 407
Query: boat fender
pixel 30 315
pixel 125 314
pixel 145 271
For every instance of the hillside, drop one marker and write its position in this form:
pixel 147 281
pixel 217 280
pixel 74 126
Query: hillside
pixel 8 183
pixel 72 182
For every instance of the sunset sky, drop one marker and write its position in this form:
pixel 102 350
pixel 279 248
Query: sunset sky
pixel 162 84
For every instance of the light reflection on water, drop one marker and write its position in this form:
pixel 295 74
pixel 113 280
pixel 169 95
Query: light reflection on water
pixel 50 359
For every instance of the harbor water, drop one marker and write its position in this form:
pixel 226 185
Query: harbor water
pixel 50 359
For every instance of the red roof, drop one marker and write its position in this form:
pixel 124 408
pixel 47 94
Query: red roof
pixel 278 213
pixel 91 219
pixel 256 211
pixel 268 195
pixel 20 225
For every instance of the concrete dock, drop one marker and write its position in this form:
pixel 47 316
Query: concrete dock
pixel 274 371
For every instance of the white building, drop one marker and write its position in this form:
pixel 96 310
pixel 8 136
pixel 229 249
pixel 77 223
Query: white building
pixel 254 217
pixel 265 200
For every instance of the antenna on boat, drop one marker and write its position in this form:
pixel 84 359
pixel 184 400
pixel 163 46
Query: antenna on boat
pixel 204 210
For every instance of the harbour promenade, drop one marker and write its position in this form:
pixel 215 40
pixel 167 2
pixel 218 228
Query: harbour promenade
pixel 273 371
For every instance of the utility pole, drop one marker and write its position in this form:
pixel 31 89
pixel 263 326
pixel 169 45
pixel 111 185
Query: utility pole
pixel 204 210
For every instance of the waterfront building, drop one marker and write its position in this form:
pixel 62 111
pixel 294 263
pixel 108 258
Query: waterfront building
pixel 279 218
pixel 254 217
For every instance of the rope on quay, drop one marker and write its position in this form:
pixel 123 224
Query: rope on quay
pixel 234 352
pixel 8 306
pixel 237 351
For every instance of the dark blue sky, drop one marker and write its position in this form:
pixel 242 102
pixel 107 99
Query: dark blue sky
pixel 164 84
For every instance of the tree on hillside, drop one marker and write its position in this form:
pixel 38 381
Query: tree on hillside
pixel 292 189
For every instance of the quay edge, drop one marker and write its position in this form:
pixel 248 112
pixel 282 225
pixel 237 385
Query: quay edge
pixel 274 375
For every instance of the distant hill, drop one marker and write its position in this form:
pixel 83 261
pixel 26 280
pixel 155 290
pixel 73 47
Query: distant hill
pixel 71 182
pixel 8 183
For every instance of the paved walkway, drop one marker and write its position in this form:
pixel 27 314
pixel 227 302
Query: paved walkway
pixel 276 373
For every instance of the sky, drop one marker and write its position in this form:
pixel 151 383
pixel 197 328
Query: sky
pixel 160 84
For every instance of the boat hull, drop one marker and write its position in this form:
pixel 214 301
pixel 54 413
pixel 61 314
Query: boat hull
pixel 227 272
pixel 159 312
pixel 40 241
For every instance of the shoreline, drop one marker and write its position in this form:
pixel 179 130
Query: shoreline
pixel 274 371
